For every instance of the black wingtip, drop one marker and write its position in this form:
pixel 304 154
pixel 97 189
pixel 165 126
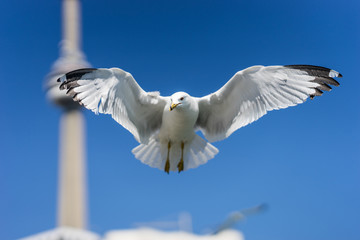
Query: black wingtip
pixel 316 70
pixel 336 83
pixel 73 76
pixel 77 74
pixel 322 76
pixel 63 85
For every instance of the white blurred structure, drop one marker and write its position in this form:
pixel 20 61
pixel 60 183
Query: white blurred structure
pixel 183 223
pixel 152 234
pixel 64 233
pixel 72 207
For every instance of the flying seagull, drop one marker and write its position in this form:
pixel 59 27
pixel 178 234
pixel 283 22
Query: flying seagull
pixel 165 126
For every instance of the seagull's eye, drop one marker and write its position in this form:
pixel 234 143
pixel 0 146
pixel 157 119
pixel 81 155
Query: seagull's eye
pixel 182 98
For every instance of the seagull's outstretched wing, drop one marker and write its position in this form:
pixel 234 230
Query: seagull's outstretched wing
pixel 114 91
pixel 251 93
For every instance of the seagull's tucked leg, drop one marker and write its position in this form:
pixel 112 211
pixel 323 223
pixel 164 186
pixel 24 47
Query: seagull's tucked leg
pixel 181 163
pixel 167 164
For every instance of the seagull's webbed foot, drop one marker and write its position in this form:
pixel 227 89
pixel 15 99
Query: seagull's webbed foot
pixel 167 164
pixel 181 163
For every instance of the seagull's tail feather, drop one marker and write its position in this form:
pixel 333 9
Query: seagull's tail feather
pixel 150 154
pixel 196 152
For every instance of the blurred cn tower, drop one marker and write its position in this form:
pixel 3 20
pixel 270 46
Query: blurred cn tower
pixel 72 194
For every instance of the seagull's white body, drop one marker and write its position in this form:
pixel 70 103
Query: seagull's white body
pixel 165 126
pixel 177 128
pixel 179 125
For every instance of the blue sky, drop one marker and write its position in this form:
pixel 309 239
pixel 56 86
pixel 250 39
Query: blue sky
pixel 302 161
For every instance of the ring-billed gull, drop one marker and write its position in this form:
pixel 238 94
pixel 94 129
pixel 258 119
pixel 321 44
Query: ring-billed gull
pixel 165 126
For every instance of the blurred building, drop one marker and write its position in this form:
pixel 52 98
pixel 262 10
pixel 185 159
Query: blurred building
pixel 72 194
pixel 153 234
pixel 132 234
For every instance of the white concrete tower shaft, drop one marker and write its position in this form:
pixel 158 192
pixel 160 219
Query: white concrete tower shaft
pixel 72 204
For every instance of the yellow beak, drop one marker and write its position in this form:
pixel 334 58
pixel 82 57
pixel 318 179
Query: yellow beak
pixel 173 106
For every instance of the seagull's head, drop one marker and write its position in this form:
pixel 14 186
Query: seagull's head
pixel 180 100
